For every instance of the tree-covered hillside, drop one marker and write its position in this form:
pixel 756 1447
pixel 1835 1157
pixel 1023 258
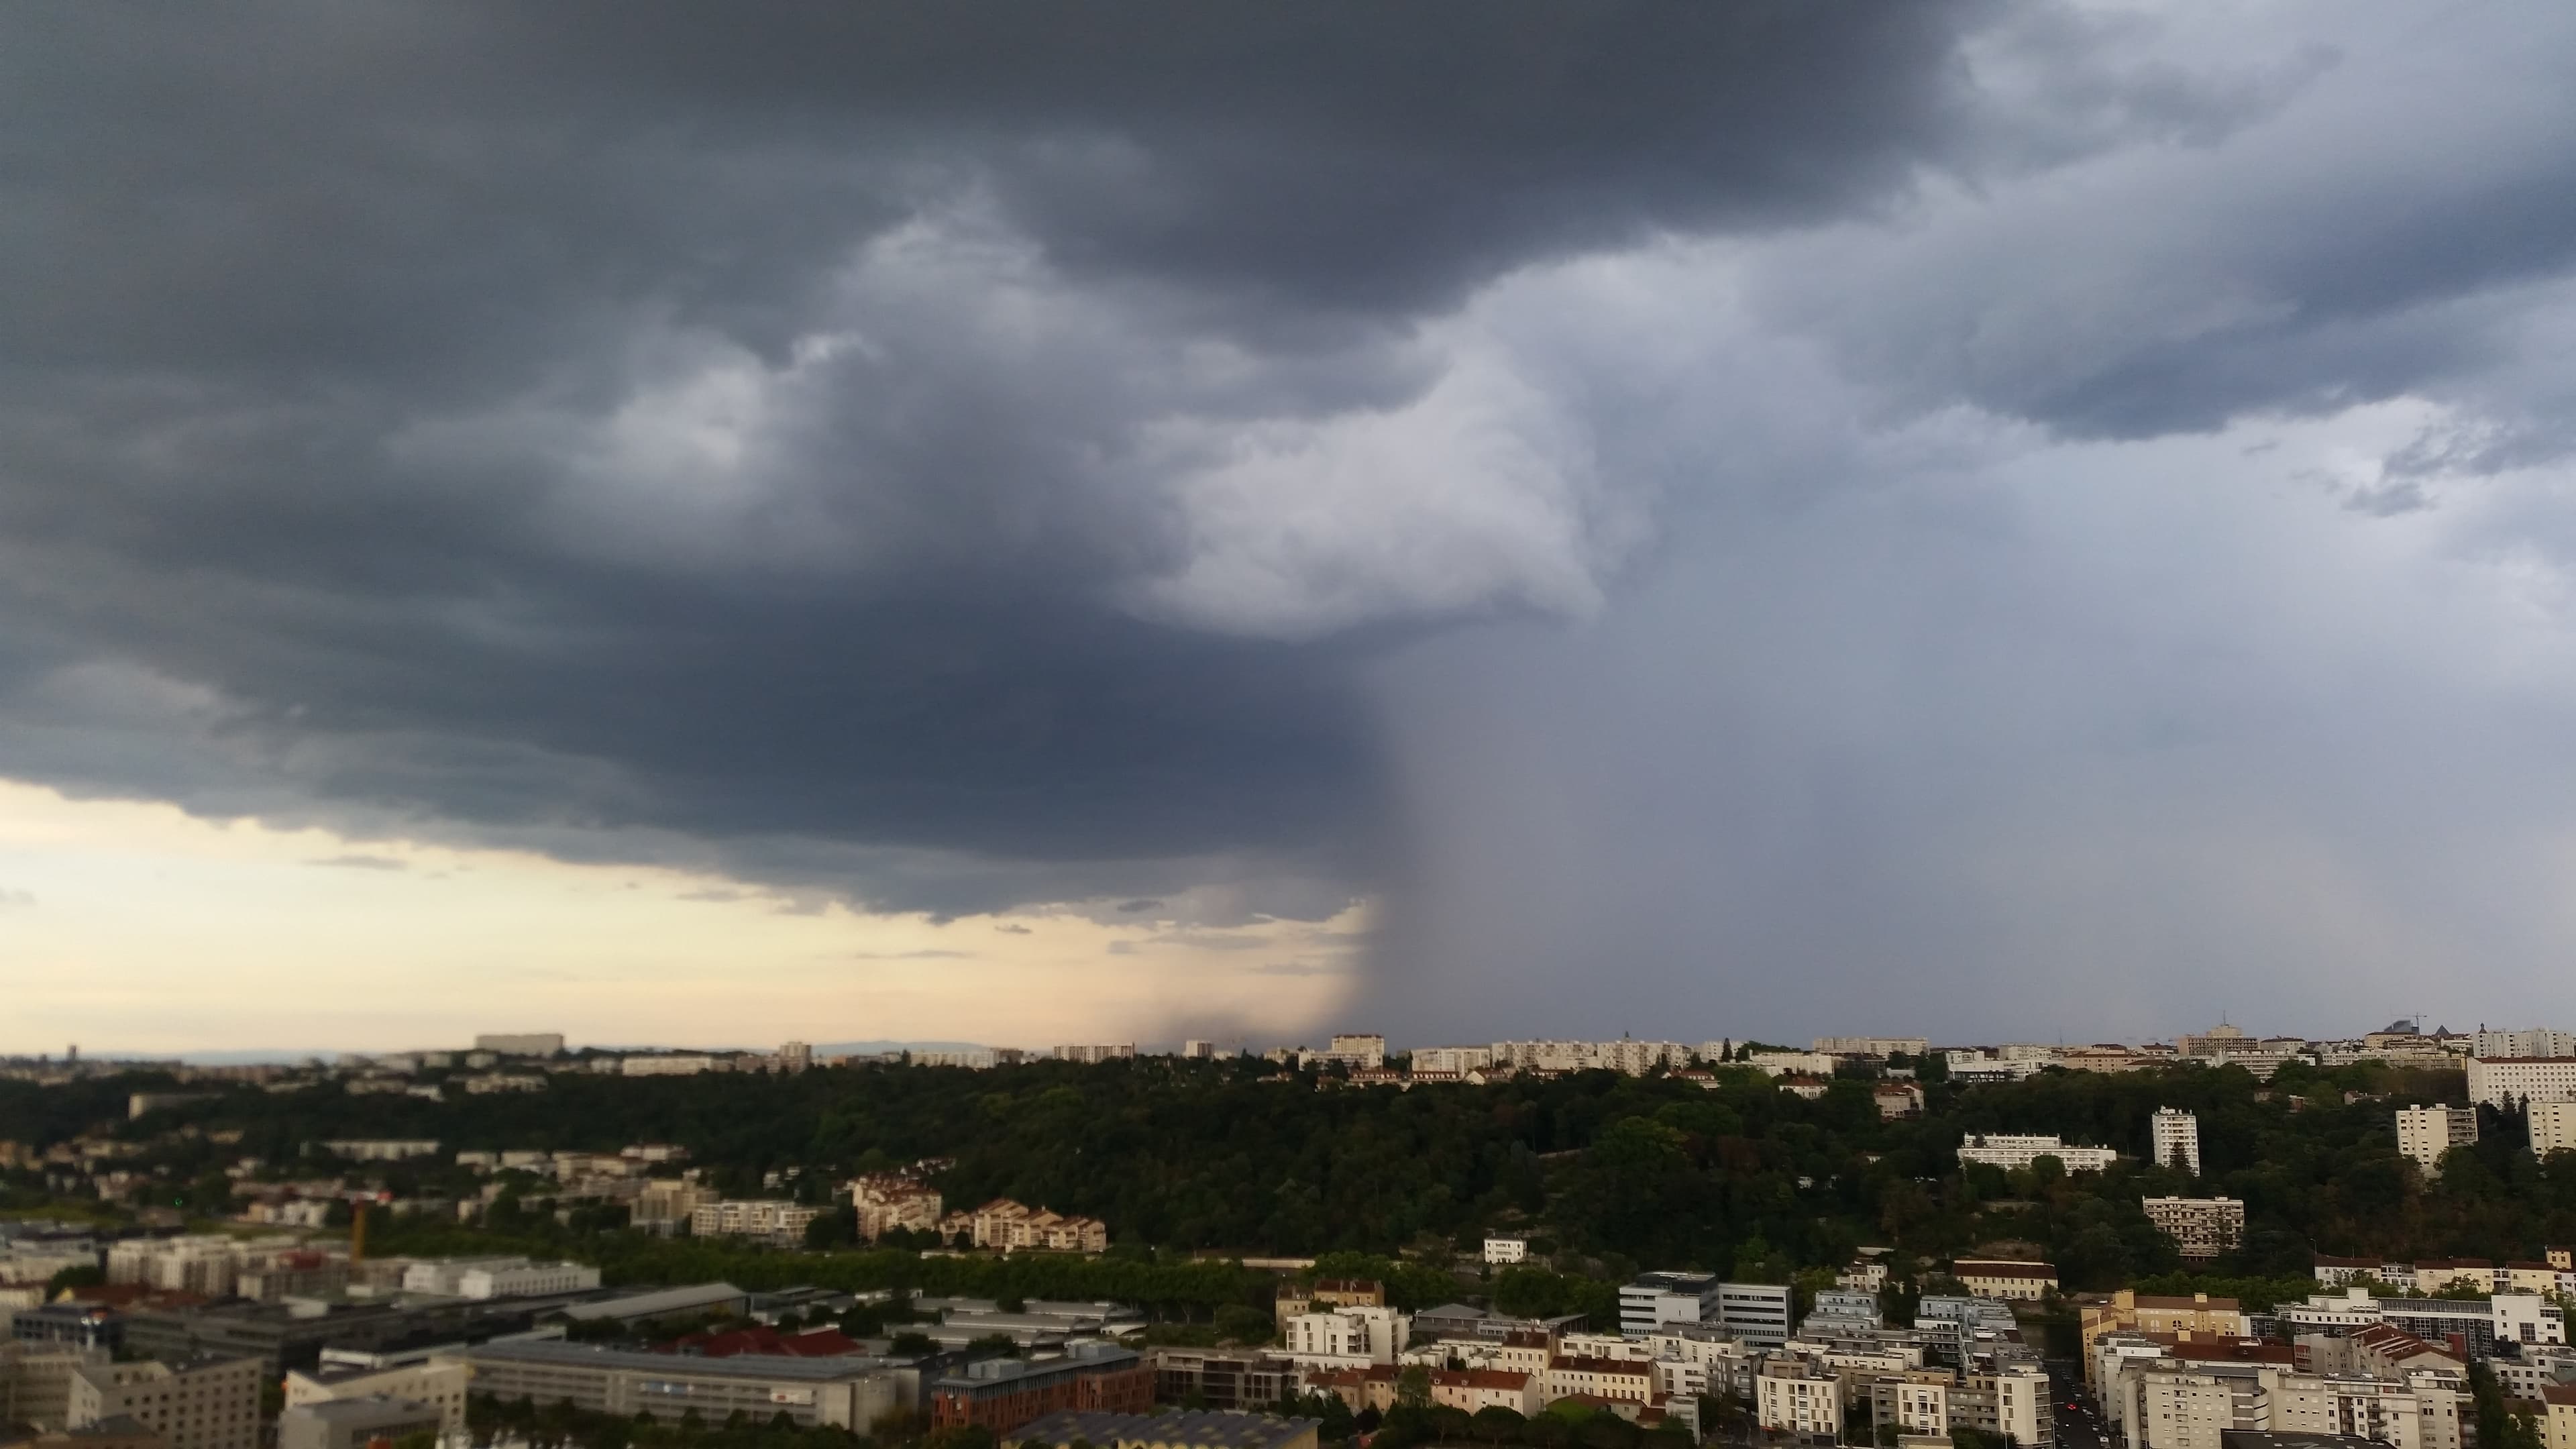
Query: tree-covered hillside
pixel 1623 1171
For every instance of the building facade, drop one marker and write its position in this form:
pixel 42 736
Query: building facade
pixel 2202 1228
pixel 2425 1133
pixel 2176 1135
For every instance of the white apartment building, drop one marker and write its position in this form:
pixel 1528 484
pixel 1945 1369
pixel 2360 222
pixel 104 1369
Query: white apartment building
pixel 2537 1042
pixel 2176 1135
pixel 1198 1051
pixel 2425 1133
pixel 2496 1081
pixel 1454 1060
pixel 2008 1152
pixel 1094 1053
pixel 1634 1058
pixel 1357 1336
pixel 1365 1050
pixel 2201 1227
pixel 200 1404
pixel 980 1059
pixel 795 1056
pixel 1805 1064
pixel 439 1383
pixel 680 1064
pixel 1977 1066
pixel 2553 1128
pixel 1506 1250
pixel 753 1218
pixel 1871 1046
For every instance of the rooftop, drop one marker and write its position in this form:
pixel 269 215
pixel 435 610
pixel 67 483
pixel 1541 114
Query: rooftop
pixel 743 1366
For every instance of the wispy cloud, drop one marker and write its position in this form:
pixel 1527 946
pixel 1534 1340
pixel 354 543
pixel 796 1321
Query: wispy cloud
pixel 361 862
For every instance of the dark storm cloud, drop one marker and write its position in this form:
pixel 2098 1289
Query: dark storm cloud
pixel 339 337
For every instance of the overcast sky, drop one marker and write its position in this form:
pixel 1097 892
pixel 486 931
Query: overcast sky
pixel 1466 518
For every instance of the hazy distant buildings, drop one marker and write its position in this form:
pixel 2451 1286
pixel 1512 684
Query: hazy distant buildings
pixel 1872 1046
pixel 1095 1054
pixel 2425 1133
pixel 520 1043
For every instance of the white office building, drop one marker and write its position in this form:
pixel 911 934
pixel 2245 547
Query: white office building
pixel 1652 1300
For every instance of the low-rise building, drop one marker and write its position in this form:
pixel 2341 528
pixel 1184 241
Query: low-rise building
pixel 2008 1152
pixel 887 1201
pixel 1631 1380
pixel 2012 1281
pixel 438 1383
pixel 1222 1378
pixel 1505 1249
pixel 355 1423
pixel 1341 1338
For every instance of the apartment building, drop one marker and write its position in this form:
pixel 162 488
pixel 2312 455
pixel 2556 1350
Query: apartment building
pixel 2537 1042
pixel 1803 1064
pixel 1452 1061
pixel 1619 1380
pixel 1094 1053
pixel 382 1149
pixel 1015 1227
pixel 2553 1127
pixel 1871 1046
pixel 2197 1317
pixel 1352 1337
pixel 2202 1228
pixel 1799 1398
pixel 2425 1133
pixel 2176 1137
pixel 1501 1249
pixel 886 1201
pixel 2010 1151
pixel 2011 1281
pixel 1632 1058
pixel 36 1380
pixel 2501 1081
pixel 439 1383
pixel 666 1202
pixel 196 1403
pixel 777 1222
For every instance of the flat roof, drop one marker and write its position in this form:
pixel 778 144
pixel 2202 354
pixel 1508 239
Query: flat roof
pixel 673 1365
pixel 655 1303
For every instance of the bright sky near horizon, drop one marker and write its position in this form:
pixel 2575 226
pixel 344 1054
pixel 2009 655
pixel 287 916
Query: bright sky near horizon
pixel 133 927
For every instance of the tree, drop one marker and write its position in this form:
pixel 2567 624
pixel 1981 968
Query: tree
pixel 1413 1387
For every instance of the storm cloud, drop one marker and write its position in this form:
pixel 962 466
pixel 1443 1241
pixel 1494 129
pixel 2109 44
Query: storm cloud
pixel 1470 455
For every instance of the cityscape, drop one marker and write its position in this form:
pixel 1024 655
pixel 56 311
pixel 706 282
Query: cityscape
pixel 1155 724
pixel 1971 1245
